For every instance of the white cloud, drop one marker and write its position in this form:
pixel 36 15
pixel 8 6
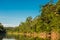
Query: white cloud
pixel 9 25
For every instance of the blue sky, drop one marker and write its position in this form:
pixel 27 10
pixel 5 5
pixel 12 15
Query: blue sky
pixel 12 12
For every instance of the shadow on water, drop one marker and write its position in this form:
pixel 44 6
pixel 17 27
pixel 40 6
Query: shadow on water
pixel 1 37
pixel 22 37
pixel 18 37
pixel 2 34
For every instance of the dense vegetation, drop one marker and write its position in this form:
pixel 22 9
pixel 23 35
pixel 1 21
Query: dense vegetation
pixel 2 29
pixel 46 22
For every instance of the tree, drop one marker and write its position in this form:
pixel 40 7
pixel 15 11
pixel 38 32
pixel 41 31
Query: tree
pixel 1 27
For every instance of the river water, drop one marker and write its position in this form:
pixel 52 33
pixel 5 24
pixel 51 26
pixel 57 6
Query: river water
pixel 19 37
pixel 8 39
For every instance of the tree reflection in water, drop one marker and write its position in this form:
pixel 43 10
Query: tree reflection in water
pixel 19 37
pixel 1 37
pixel 22 37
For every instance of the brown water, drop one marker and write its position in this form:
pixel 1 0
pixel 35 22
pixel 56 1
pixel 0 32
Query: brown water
pixel 18 37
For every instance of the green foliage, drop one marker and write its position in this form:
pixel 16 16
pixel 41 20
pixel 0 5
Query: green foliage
pixel 1 27
pixel 47 21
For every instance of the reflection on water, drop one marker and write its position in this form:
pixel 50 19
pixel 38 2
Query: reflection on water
pixel 8 39
pixel 19 37
pixel 1 37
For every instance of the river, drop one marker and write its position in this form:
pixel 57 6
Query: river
pixel 12 37
pixel 19 37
